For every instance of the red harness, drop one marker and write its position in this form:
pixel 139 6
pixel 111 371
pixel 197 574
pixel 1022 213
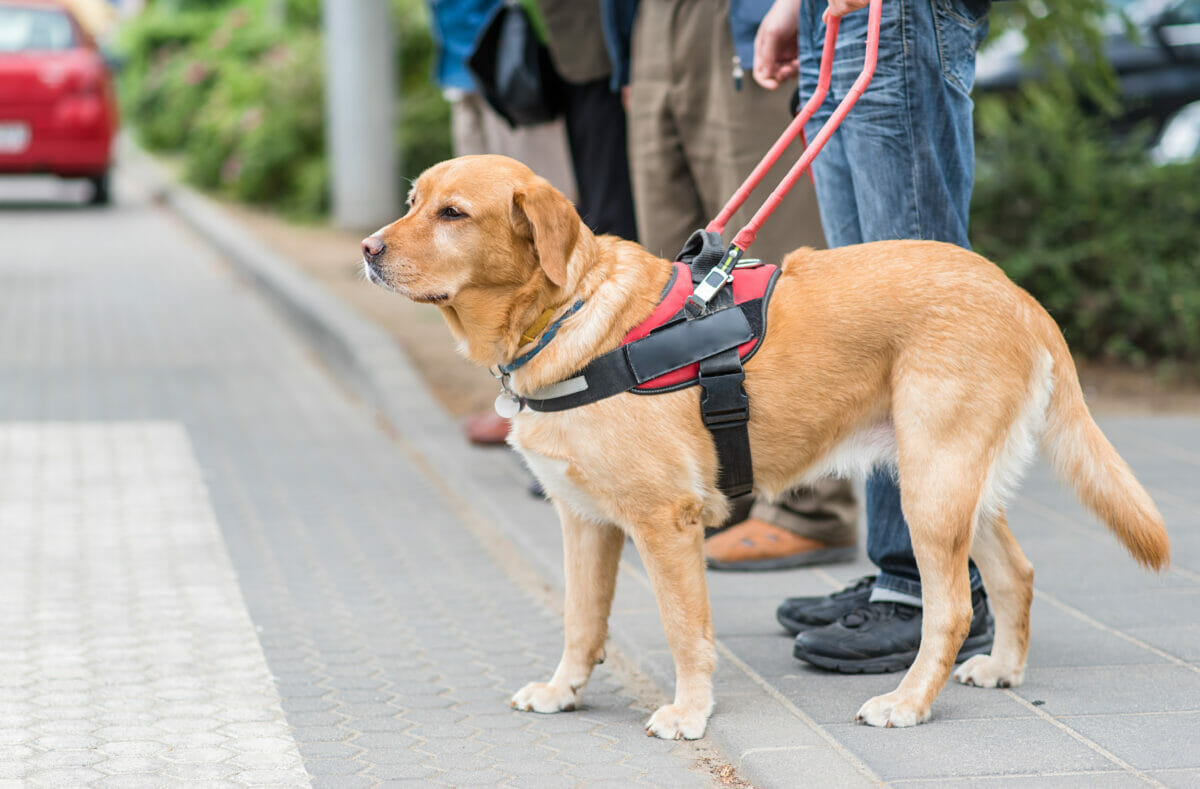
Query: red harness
pixel 748 283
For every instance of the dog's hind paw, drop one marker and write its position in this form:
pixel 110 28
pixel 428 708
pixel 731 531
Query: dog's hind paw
pixel 985 671
pixel 672 723
pixel 544 697
pixel 891 710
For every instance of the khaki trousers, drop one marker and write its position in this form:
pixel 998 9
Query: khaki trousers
pixel 693 138
pixel 476 128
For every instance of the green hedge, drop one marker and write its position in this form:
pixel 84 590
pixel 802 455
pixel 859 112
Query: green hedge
pixel 239 96
pixel 1108 241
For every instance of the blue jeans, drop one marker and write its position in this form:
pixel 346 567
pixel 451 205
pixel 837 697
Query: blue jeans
pixel 900 166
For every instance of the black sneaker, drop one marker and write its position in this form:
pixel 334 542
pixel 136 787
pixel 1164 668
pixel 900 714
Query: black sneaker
pixel 804 613
pixel 882 637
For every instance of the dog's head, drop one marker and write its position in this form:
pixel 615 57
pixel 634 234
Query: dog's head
pixel 477 228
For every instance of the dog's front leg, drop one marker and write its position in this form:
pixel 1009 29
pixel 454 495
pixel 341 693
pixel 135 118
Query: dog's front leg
pixel 673 553
pixel 591 554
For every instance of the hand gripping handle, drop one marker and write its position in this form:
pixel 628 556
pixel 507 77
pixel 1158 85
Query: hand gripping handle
pixel 747 234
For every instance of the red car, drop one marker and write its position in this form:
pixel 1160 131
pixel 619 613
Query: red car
pixel 58 112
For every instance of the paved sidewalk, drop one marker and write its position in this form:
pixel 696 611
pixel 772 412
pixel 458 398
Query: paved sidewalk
pixel 401 587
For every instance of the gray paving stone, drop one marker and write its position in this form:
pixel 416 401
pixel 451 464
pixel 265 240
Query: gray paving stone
pixel 200 772
pixel 1148 688
pixel 1178 779
pixel 968 748
pixel 398 772
pixel 518 738
pixel 307 734
pixel 1148 742
pixel 147 780
pixel 537 766
pixel 67 776
pixel 1060 639
pixel 472 778
pixel 814 766
pixel 13 770
pixel 1181 639
pixel 327 767
pixel 1083 780
pixel 130 764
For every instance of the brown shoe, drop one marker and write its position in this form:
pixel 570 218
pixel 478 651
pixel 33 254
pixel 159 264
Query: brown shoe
pixel 486 427
pixel 757 545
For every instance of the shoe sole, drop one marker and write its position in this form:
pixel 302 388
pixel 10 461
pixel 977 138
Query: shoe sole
pixel 796 627
pixel 837 555
pixel 887 664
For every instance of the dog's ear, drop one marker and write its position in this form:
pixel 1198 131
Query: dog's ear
pixel 540 212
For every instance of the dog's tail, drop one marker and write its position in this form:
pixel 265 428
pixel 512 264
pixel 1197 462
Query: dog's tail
pixel 1083 457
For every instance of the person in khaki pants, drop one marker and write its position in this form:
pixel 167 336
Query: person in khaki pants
pixel 698 124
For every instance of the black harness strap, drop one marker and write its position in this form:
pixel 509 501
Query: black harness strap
pixel 726 412
pixel 675 345
pixel 724 406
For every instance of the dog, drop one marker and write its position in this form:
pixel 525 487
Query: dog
pixel 917 355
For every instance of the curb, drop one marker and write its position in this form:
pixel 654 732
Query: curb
pixel 490 496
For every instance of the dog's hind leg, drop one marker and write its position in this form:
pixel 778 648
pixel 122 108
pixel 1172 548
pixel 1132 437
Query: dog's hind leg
pixel 1008 576
pixel 939 493
pixel 591 555
pixel 672 549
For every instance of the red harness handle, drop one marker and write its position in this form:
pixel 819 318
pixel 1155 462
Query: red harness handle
pixel 745 237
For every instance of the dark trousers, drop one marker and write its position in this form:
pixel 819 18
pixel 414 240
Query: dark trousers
pixel 596 138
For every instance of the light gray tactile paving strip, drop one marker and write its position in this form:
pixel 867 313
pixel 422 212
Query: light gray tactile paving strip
pixel 127 655
pixel 762 667
pixel 393 638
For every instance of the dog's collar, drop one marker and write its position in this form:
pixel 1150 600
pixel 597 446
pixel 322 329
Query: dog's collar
pixel 532 332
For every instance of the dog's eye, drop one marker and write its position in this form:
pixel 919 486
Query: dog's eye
pixel 451 212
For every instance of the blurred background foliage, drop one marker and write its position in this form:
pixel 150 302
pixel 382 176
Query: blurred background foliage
pixel 1075 213
pixel 1068 201
pixel 235 89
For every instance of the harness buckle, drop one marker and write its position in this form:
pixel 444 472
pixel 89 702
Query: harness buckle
pixel 723 402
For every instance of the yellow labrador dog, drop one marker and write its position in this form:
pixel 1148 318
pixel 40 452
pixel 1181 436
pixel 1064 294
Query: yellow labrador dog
pixel 919 355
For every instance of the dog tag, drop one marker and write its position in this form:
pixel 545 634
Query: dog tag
pixel 507 405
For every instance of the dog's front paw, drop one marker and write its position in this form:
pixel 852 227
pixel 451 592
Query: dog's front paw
pixel 985 671
pixel 673 723
pixel 892 710
pixel 543 697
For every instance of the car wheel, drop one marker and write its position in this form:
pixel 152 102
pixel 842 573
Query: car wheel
pixel 100 190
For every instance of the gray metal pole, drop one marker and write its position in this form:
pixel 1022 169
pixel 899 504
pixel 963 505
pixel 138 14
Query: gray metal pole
pixel 360 115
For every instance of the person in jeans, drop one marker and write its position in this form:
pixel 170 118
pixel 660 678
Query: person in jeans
pixel 900 166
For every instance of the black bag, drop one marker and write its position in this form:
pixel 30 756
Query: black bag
pixel 514 70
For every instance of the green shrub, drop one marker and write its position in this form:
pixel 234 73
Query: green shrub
pixel 241 97
pixel 261 129
pixel 1104 238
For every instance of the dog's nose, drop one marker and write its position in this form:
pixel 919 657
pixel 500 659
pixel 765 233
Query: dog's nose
pixel 372 247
